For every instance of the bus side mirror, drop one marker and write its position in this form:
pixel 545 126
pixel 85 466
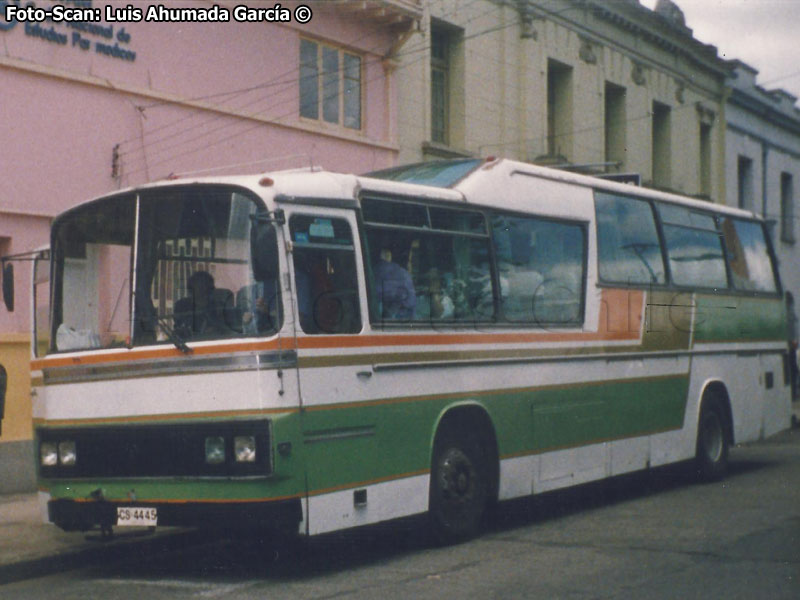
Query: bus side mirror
pixel 8 285
pixel 3 385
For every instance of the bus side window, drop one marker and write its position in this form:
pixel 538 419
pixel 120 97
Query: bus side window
pixel 540 266
pixel 432 262
pixel 430 276
pixel 694 247
pixel 3 388
pixel 325 275
pixel 748 256
pixel 628 247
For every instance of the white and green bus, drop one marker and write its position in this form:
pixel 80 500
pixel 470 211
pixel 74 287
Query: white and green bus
pixel 318 351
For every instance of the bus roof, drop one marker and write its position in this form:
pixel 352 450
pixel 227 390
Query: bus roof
pixel 505 168
pixel 476 178
pixel 459 180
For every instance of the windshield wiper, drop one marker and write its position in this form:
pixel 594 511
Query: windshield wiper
pixel 172 335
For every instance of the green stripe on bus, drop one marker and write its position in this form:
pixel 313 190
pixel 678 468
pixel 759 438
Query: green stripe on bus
pixel 357 444
pixel 739 318
pixel 526 422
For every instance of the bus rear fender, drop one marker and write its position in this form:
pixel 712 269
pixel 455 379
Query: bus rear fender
pixel 470 419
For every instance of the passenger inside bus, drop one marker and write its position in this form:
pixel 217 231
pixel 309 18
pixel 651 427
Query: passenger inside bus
pixel 206 310
pixel 434 302
pixel 394 288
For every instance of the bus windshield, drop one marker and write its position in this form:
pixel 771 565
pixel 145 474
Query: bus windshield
pixel 163 266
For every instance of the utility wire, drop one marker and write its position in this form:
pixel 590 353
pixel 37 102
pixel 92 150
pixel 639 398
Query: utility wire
pixel 422 48
pixel 277 80
pixel 292 100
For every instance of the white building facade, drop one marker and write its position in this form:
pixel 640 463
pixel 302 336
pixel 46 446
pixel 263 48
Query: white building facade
pixel 762 163
pixel 596 87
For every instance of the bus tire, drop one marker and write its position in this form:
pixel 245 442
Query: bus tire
pixel 459 488
pixel 711 455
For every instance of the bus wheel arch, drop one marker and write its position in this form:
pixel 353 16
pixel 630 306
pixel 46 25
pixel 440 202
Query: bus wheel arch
pixel 464 472
pixel 714 433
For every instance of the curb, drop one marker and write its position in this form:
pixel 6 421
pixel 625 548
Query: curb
pixel 85 556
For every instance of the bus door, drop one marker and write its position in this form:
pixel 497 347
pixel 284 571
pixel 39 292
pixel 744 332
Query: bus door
pixel 325 269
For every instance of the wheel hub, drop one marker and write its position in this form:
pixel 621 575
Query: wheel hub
pixel 458 476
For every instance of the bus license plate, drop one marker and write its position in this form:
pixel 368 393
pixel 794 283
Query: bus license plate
pixel 129 516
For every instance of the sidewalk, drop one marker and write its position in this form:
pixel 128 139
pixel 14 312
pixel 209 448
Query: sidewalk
pixel 31 548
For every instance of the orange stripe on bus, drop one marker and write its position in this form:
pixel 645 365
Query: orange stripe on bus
pixel 620 318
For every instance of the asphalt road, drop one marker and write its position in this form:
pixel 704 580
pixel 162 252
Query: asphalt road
pixel 654 535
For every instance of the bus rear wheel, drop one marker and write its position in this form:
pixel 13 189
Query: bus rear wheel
pixel 459 489
pixel 711 456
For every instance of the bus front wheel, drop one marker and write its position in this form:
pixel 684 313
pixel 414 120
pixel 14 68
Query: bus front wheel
pixel 459 489
pixel 711 457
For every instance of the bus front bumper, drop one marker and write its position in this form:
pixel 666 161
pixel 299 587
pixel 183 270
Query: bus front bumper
pixel 72 515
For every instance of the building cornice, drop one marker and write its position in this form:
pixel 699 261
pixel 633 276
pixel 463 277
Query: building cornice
pixel 642 23
pixel 765 109
pixel 657 30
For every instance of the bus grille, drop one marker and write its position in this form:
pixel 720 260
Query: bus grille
pixel 176 450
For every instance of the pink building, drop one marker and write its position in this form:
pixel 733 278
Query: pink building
pixel 93 106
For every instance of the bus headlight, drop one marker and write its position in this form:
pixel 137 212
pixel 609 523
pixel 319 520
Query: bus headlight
pixel 67 454
pixel 48 454
pixel 244 448
pixel 215 450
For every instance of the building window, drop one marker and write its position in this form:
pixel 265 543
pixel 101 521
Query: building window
pixel 447 99
pixel 330 84
pixel 705 160
pixel 615 125
pixel 744 177
pixel 787 208
pixel 440 86
pixel 559 109
pixel 662 147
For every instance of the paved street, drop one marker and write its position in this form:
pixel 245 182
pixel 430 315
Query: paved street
pixel 654 536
